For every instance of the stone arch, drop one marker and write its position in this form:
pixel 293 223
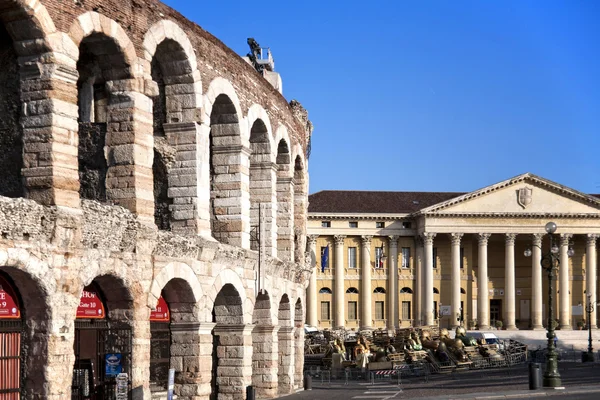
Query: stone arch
pixel 263 313
pixel 285 196
pixel 228 276
pixel 300 203
pixel 28 21
pixel 286 346
pixel 34 285
pixel 299 343
pixel 264 347
pixel 117 294
pixel 176 99
pixel 174 270
pixel 228 155
pixel 262 180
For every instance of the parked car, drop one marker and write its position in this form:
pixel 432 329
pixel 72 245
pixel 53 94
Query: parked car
pixel 490 338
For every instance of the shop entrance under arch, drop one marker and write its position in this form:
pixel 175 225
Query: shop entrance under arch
pixel 11 328
pixel 160 346
pixel 102 350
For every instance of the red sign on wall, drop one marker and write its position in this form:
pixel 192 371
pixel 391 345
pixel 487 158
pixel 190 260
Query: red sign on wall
pixel 9 303
pixel 161 314
pixel 90 304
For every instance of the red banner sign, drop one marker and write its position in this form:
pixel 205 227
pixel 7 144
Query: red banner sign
pixel 161 314
pixel 90 304
pixel 9 303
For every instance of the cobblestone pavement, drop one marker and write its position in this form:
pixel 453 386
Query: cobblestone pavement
pixel 474 384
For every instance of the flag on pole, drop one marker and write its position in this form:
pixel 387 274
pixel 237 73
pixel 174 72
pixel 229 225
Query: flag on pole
pixel 324 258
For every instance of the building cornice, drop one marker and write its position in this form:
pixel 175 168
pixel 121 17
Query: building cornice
pixel 360 217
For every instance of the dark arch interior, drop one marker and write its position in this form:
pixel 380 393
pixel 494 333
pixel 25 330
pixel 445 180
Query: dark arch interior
pixel 283 153
pixel 298 313
pixel 262 310
pixel 406 290
pixel 11 132
pixel 228 306
pixel 284 309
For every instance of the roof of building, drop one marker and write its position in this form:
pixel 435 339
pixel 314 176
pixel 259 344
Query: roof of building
pixel 356 201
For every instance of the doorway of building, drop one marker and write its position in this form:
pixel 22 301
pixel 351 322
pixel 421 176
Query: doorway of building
pixel 11 327
pixel 495 311
pixel 102 349
pixel 160 346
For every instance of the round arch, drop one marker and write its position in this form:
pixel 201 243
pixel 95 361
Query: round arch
pixel 257 112
pixel 171 271
pixel 263 313
pixel 41 26
pixel 225 277
pixel 221 86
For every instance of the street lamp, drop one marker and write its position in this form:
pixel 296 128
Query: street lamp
pixel 550 262
pixel 440 316
pixel 589 308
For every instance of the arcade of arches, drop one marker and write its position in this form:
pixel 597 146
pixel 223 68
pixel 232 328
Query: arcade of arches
pixel 137 172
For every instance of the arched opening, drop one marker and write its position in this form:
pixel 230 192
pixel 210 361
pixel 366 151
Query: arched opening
pixel 300 204
pixel 325 290
pixel 228 344
pixel 285 203
pixel 286 347
pixel 171 71
pixel 352 290
pixel 262 193
pixel 174 339
pixel 264 348
pixel 406 290
pixel 100 61
pixel 11 130
pixel 299 344
pixel 24 317
pixel 225 178
pixel 103 340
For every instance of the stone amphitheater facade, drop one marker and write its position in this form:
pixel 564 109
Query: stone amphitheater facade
pixel 136 153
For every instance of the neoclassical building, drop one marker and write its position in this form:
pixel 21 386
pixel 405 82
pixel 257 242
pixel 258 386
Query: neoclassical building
pixel 153 202
pixel 395 259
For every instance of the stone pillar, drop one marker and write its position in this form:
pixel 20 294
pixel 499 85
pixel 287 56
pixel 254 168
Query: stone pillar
pixel 140 352
pixel 338 282
pixel 536 282
pixel 285 218
pixel 234 372
pixel 455 278
pixel 299 357
pixel 509 281
pixel 49 120
pixel 590 276
pixel 311 291
pixel 265 365
pixel 366 318
pixel 187 187
pixel 263 193
pixel 428 279
pixel 483 303
pixel 187 358
pixel 564 312
pixel 393 314
pixel 286 360
pixel 205 360
pixel 130 149
pixel 419 265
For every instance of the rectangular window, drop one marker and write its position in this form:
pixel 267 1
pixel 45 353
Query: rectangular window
pixel 378 260
pixel 325 311
pixel 380 225
pixel 325 224
pixel 406 257
pixel 435 257
pixel 352 310
pixel 353 224
pixel 379 310
pixel 324 258
pixel 406 225
pixel 352 257
pixel 406 310
pixel 462 256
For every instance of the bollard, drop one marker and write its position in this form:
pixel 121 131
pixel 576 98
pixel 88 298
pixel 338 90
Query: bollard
pixel 307 382
pixel 535 376
pixel 250 393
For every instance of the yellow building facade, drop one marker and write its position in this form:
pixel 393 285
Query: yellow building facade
pixel 399 259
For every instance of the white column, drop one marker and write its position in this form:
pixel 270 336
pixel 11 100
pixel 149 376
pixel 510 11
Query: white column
pixel 393 315
pixel 536 282
pixel 564 312
pixel 590 276
pixel 419 263
pixel 509 281
pixel 311 291
pixel 483 303
pixel 366 318
pixel 428 279
pixel 455 278
pixel 339 292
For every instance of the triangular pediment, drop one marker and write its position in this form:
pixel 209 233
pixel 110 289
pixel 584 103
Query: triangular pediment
pixel 524 194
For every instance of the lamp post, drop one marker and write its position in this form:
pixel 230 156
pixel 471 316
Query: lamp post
pixel 550 262
pixel 440 316
pixel 589 308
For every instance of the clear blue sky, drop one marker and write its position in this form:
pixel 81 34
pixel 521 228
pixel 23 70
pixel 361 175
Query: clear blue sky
pixel 432 95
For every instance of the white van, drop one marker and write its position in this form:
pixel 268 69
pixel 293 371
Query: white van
pixel 490 338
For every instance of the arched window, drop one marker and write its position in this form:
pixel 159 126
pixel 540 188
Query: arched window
pixel 406 290
pixel 325 290
pixel 436 291
pixel 352 290
pixel 379 290
pixel 462 291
